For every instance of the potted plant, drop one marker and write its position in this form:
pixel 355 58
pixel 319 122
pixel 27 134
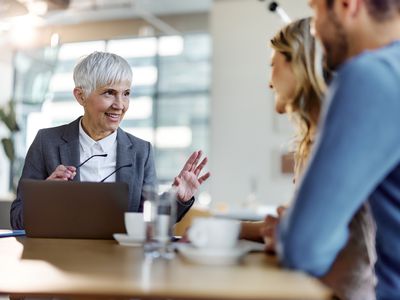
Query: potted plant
pixel 8 118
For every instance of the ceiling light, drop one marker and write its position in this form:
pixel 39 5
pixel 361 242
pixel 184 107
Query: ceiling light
pixel 23 31
pixel 37 7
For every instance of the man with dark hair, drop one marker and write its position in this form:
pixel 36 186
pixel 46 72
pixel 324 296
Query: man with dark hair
pixel 357 154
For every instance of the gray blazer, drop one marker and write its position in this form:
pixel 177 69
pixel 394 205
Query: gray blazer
pixel 60 145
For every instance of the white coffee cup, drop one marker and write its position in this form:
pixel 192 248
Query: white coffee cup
pixel 134 225
pixel 214 233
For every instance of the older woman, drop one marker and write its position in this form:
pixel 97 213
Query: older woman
pixel 76 151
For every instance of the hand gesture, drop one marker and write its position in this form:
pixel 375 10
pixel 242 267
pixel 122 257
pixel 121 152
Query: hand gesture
pixel 188 181
pixel 63 173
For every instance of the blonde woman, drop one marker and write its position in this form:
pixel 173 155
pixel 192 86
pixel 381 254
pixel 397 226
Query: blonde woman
pixel 299 89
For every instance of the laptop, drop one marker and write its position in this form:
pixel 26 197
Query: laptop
pixel 69 209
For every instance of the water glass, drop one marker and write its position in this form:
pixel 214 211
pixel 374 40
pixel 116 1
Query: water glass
pixel 159 213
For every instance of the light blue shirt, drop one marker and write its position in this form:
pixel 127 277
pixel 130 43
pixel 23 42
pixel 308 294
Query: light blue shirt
pixel 356 157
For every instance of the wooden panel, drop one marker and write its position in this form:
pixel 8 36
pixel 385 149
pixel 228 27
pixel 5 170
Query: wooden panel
pixel 287 163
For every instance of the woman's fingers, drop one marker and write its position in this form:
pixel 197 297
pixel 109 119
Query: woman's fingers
pixel 63 173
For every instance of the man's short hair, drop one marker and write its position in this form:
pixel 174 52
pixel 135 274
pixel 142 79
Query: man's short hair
pixel 380 10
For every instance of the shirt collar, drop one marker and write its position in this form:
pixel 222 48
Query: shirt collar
pixel 87 142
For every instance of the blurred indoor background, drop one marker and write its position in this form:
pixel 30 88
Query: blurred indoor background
pixel 201 71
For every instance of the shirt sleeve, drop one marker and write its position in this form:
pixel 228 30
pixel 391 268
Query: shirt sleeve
pixel 358 145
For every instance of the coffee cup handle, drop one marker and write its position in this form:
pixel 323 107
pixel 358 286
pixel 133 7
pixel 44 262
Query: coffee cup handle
pixel 197 236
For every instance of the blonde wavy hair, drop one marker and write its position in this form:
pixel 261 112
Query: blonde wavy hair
pixel 297 44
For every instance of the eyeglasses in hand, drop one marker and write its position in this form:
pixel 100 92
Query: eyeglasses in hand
pixel 103 155
pixel 85 161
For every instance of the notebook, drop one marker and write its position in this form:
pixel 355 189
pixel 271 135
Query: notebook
pixel 69 209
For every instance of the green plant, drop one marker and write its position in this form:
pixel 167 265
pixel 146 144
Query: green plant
pixel 8 117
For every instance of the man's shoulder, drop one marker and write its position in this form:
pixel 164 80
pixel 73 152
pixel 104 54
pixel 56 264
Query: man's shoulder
pixel 378 64
pixel 370 74
pixel 371 77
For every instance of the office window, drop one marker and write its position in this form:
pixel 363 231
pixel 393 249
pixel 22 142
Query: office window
pixel 170 94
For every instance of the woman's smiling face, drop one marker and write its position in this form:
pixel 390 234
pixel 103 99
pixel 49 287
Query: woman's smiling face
pixel 282 81
pixel 105 108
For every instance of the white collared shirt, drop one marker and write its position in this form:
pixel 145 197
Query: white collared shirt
pixel 99 167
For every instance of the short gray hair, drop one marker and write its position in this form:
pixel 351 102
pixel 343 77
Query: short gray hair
pixel 100 69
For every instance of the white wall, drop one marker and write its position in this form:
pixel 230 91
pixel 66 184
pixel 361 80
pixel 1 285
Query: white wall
pixel 246 140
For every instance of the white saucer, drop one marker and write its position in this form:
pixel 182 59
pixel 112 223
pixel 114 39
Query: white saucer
pixel 252 246
pixel 213 256
pixel 126 240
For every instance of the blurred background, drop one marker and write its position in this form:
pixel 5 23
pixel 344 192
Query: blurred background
pixel 201 70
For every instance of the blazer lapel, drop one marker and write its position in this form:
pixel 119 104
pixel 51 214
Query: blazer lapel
pixel 69 152
pixel 126 155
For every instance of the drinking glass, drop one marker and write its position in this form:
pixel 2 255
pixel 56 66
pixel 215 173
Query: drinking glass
pixel 159 213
